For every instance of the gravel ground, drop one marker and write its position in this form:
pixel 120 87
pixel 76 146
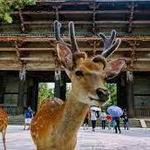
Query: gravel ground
pixel 133 139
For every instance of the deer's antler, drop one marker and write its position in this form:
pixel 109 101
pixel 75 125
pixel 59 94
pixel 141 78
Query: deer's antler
pixel 57 26
pixel 72 38
pixel 110 44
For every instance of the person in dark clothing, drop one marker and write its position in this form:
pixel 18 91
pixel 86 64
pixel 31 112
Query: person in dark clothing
pixel 117 124
pixel 125 119
pixel 126 122
pixel 28 117
pixel 86 121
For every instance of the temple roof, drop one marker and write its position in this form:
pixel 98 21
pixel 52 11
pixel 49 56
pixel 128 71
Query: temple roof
pixel 30 40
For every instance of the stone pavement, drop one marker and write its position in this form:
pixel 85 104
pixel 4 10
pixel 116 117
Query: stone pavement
pixel 134 139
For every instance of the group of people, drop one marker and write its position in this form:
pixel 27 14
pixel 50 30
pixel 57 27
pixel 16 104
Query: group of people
pixel 106 120
pixel 94 115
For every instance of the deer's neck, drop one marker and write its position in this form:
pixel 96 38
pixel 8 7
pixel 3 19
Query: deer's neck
pixel 74 114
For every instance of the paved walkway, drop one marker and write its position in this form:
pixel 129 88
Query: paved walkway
pixel 134 139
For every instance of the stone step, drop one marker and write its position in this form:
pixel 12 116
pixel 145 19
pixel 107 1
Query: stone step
pixel 147 123
pixel 132 123
pixel 16 120
pixel 19 120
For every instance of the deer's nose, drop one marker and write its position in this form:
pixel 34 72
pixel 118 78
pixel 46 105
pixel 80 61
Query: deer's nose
pixel 102 94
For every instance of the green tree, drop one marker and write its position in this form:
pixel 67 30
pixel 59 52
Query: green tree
pixel 112 88
pixel 7 6
pixel 44 92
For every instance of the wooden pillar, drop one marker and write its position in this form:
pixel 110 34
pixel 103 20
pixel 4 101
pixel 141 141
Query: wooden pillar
pixel 1 90
pixel 121 92
pixel 130 94
pixel 60 85
pixel 34 99
pixel 57 83
pixel 32 94
pixel 63 87
pixel 21 96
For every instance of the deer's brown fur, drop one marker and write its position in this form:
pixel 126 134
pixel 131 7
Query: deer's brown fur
pixel 3 125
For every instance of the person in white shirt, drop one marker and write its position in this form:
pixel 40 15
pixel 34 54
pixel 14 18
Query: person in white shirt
pixel 103 116
pixel 93 119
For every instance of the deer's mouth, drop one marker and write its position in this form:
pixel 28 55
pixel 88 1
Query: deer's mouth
pixel 103 99
pixel 93 98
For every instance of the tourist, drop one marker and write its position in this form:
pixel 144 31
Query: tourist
pixel 103 119
pixel 109 121
pixel 116 122
pixel 28 117
pixel 93 119
pixel 126 122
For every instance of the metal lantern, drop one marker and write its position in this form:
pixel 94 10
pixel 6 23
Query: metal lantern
pixel 57 74
pixel 22 73
pixel 129 75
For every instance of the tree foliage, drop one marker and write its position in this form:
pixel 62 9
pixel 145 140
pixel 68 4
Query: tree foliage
pixel 44 92
pixel 7 6
pixel 112 88
pixel 113 93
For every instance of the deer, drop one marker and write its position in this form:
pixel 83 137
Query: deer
pixel 3 125
pixel 56 123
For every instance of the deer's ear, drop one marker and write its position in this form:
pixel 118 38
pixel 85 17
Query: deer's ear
pixel 114 67
pixel 65 56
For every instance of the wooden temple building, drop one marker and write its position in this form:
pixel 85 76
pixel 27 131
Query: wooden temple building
pixel 28 47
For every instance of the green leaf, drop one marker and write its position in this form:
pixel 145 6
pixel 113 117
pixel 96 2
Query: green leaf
pixel 7 6
pixel 7 18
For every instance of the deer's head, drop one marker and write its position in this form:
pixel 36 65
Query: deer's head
pixel 88 75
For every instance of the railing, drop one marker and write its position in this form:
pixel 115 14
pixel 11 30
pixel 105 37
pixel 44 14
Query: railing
pixel 51 34
pixel 142 112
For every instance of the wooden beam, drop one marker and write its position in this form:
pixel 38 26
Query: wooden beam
pixel 65 12
pixel 29 38
pixel 81 22
pixel 51 60
pixel 30 66
pixel 37 59
pixel 34 12
pixel 37 49
pixel 8 59
pixel 147 22
pixel 26 60
pixel 51 22
pixel 142 65
pixel 9 49
pixel 127 49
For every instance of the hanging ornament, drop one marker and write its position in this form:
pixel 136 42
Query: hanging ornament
pixel 22 73
pixel 57 74
pixel 129 75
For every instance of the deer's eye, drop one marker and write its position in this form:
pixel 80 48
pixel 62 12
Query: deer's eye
pixel 79 73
